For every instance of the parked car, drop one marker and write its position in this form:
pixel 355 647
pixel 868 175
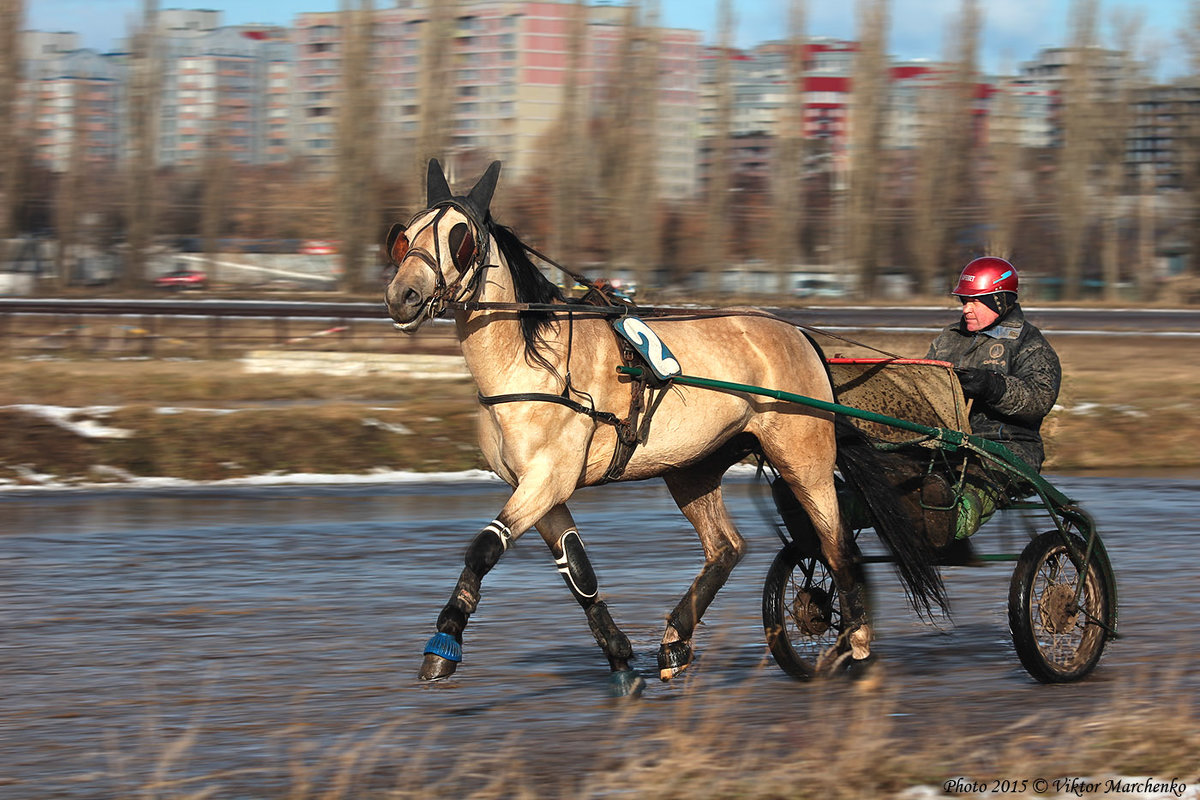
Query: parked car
pixel 182 279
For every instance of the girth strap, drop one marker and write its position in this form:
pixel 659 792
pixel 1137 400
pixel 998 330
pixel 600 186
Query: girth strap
pixel 545 397
pixel 628 435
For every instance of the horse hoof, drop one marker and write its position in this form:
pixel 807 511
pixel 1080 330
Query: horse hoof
pixel 434 667
pixel 865 673
pixel 626 683
pixel 673 658
pixel 833 661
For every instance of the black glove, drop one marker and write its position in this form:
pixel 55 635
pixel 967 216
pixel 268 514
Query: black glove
pixel 982 384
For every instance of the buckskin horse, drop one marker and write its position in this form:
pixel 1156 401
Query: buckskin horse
pixel 555 415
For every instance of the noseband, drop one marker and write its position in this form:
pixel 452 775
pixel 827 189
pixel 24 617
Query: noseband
pixel 469 259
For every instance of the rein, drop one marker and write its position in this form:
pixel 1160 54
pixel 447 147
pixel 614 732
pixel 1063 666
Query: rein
pixel 655 312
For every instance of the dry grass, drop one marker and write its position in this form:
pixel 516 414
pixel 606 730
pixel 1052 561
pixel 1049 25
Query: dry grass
pixel 1127 403
pixel 850 748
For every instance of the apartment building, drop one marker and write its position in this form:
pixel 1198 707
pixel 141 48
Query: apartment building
pixel 224 90
pixel 262 94
pixel 502 80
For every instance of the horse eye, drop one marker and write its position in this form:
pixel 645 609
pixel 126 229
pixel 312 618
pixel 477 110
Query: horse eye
pixel 462 245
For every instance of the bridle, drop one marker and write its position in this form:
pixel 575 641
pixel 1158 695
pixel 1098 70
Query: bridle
pixel 468 256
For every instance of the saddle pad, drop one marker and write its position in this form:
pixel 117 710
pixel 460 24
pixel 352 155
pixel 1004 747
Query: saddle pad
pixel 916 390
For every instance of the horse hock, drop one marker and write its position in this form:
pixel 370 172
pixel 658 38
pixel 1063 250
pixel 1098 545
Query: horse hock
pixel 443 651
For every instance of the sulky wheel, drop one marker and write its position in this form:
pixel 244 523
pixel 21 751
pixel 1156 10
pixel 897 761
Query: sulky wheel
pixel 802 611
pixel 1058 637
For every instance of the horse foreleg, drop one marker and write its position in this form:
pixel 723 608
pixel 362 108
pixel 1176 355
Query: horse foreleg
pixel 443 652
pixel 562 537
pixel 698 494
pixel 537 492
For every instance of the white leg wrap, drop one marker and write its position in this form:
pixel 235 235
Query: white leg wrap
pixel 502 532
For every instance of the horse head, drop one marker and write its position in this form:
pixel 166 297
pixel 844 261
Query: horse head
pixel 440 254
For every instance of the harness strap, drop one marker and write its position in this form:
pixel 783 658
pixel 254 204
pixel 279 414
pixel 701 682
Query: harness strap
pixel 608 418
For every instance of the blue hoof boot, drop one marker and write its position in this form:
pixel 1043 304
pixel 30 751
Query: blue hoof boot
pixel 444 645
pixel 626 683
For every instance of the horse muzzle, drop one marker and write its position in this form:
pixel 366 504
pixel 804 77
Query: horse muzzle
pixel 407 305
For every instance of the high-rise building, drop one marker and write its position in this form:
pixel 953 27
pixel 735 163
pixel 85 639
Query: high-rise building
pixel 70 96
pixel 224 90
pixel 503 82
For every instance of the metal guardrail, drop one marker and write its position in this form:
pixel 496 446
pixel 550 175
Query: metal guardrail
pixel 110 327
pixel 193 308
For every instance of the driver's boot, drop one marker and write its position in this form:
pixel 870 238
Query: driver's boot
pixel 938 510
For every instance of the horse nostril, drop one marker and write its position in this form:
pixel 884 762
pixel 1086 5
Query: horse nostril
pixel 411 298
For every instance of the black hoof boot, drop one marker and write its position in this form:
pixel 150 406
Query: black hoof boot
pixel 673 658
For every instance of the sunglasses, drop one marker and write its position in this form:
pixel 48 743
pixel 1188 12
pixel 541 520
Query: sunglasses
pixel 462 245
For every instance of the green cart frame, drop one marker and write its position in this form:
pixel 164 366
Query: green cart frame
pixel 1062 604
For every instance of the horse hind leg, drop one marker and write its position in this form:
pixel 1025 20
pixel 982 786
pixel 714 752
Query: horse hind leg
pixel 562 537
pixel 813 486
pixel 697 492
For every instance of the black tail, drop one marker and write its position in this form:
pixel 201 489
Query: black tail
pixel 867 475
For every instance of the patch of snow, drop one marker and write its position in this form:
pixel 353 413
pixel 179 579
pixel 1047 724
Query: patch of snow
pixel 371 422
pixel 67 419
pixel 375 477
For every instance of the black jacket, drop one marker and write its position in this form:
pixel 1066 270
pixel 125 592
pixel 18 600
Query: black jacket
pixel 1017 350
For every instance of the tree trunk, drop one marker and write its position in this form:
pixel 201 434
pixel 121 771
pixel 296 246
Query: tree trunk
pixel 866 141
pixel 11 13
pixel 789 204
pixel 145 90
pixel 1077 153
pixel 357 215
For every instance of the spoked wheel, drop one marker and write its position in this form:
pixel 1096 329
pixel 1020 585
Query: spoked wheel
pixel 802 611
pixel 1059 633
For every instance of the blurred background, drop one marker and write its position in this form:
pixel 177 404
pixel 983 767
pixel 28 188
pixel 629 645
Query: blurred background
pixel 198 153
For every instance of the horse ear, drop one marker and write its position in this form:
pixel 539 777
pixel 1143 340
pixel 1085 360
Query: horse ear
pixel 480 197
pixel 437 189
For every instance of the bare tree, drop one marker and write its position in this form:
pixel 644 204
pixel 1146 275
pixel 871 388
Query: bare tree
pixel 437 59
pixel 789 200
pixel 1190 135
pixel 943 162
pixel 144 97
pixel 866 141
pixel 214 210
pixel 356 137
pixel 11 14
pixel 1144 271
pixel 1077 153
pixel 1113 132
pixel 70 185
pixel 717 224
pixel 640 204
pixel 570 144
pixel 1004 179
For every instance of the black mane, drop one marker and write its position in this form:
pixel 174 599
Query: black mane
pixel 531 287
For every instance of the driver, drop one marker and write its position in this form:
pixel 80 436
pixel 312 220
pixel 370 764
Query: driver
pixel 1010 375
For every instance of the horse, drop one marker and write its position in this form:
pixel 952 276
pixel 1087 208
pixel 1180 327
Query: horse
pixel 555 416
